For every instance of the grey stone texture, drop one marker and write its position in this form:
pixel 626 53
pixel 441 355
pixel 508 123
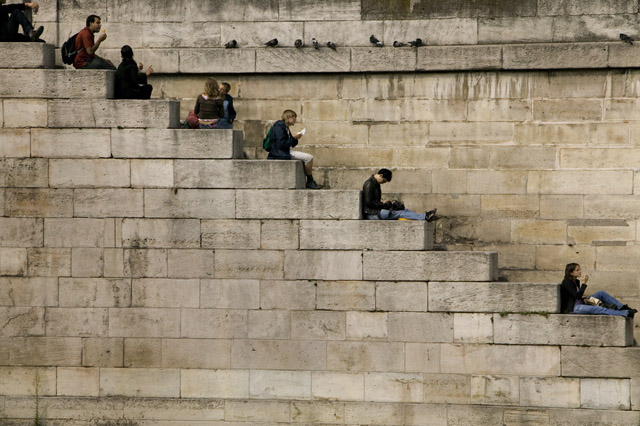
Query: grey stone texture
pixel 20 83
pixel 27 55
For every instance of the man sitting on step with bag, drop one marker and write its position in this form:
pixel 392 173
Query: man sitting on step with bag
pixel 374 208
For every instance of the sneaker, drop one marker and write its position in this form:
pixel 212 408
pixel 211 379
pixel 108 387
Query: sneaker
pixel 311 184
pixel 430 216
pixel 35 34
pixel 632 313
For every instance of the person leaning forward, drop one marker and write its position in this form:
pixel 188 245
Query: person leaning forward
pixel 86 46
pixel 375 208
pixel 12 18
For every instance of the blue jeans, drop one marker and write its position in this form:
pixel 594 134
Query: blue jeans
pixel 599 310
pixel 223 123
pixel 396 214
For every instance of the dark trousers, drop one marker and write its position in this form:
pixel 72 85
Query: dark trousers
pixel 142 91
pixel 97 63
pixel 17 20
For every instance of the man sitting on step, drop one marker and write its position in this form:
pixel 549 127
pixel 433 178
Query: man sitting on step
pixel 86 46
pixel 12 18
pixel 375 208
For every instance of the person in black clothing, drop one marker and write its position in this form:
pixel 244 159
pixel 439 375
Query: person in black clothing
pixel 572 298
pixel 131 83
pixel 375 208
pixel 282 141
pixel 12 18
pixel 229 110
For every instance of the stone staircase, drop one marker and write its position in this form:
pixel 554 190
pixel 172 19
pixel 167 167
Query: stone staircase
pixel 149 273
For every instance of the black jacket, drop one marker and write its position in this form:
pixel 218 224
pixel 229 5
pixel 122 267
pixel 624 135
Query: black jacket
pixel 570 292
pixel 372 197
pixel 128 77
pixel 230 109
pixel 5 11
pixel 281 142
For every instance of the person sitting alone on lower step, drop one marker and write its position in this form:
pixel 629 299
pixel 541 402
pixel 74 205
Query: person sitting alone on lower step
pixel 283 141
pixel 572 297
pixel 375 208
pixel 12 18
pixel 131 82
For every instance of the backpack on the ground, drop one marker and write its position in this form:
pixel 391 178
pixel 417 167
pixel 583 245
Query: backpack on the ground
pixel 68 50
pixel 266 143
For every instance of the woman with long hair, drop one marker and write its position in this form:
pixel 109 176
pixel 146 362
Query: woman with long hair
pixel 209 107
pixel 573 301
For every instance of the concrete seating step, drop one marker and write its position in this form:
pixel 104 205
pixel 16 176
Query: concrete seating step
pixel 287 204
pixel 430 266
pixel 493 297
pixel 366 234
pixel 27 55
pixel 91 113
pixel 176 143
pixel 600 362
pixel 51 83
pixel 559 329
pixel 232 174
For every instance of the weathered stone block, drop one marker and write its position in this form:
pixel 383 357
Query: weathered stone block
pixel 398 296
pixel 338 386
pixel 425 414
pixel 163 143
pixel 173 233
pixel 269 324
pixel 365 356
pixel 214 383
pixel 495 390
pixel 87 262
pixel 496 182
pixel 217 60
pixel 83 322
pixel 165 293
pixel 13 261
pixel 420 266
pixel 108 203
pixel 49 262
pixel 274 411
pixel 38 202
pixel 367 325
pixel 150 322
pixel 588 362
pixel 423 357
pixel 550 392
pixel 113 113
pixel 182 409
pixel 152 173
pixel 24 172
pixel 473 328
pixel 28 292
pixel 214 323
pixel 143 353
pixel 265 384
pixel 514 30
pixel 346 295
pixel 393 387
pixel 27 55
pixel 22 321
pixel 259 264
pixel 196 353
pixel 78 381
pixel 186 203
pixel 53 84
pixel 459 58
pixel 312 325
pixel 14 142
pixel 500 359
pixel 545 56
pixel 563 329
pixel 231 234
pixel 290 295
pixel 94 292
pixel 372 235
pixel 63 233
pixel 420 327
pixel 493 297
pixel 100 352
pixel 323 265
pixel 58 351
pixel 372 413
pixel 385 59
pixel 454 31
pixel 190 263
pixel 605 394
pixel 19 381
pixel 472 132
pixel 239 174
pixel 140 382
pixel 577 417
pixel 230 294
pixel 375 9
pixel 25 113
pixel 278 355
pixel 572 7
pixel 145 263
pixel 89 173
pixel 286 60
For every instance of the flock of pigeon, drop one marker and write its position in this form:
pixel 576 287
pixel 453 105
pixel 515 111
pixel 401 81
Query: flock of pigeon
pixel 373 40
pixel 300 44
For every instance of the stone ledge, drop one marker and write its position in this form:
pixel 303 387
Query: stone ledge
pixel 576 330
pixel 530 56
pixel 493 297
pixel 366 234
pixel 27 55
pixel 47 83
